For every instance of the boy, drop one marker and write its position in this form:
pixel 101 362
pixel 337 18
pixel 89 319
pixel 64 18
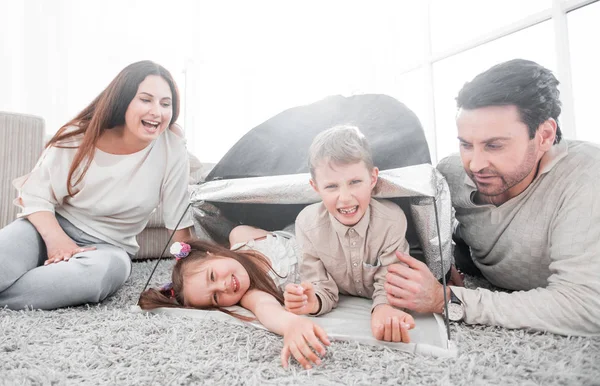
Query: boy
pixel 348 239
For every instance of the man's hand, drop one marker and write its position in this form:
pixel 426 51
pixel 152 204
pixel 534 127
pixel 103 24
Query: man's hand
pixel 301 299
pixel 412 285
pixel 391 324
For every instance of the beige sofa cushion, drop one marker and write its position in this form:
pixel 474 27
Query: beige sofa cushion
pixel 21 144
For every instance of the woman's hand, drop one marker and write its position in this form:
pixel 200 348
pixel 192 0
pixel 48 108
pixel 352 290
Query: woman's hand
pixel 62 248
pixel 59 246
pixel 302 338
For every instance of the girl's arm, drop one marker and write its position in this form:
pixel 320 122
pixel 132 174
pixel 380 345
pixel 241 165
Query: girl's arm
pixel 298 332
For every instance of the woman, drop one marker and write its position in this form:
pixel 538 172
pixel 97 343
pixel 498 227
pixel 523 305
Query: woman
pixel 92 192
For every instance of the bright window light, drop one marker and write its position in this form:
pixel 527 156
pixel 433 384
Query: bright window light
pixel 585 62
pixel 260 58
pixel 459 21
pixel 534 43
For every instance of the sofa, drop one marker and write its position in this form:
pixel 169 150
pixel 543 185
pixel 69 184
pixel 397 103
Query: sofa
pixel 22 140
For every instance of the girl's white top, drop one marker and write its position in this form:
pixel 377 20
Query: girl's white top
pixel 281 249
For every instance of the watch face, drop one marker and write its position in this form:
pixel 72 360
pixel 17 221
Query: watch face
pixel 456 312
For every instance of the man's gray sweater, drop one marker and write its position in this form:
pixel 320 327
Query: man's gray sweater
pixel 543 244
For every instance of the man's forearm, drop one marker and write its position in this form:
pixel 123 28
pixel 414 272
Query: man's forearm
pixel 565 311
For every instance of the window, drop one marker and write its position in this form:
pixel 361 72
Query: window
pixel 585 69
pixel 534 43
pixel 459 21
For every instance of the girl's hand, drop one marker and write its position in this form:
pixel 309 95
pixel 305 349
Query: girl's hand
pixel 302 338
pixel 391 324
pixel 301 299
pixel 63 248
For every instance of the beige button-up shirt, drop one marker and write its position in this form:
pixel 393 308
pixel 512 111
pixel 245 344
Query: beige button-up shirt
pixel 350 260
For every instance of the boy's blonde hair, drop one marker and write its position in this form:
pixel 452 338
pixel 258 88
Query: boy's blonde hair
pixel 341 145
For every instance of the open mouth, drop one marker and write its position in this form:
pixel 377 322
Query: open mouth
pixel 235 284
pixel 150 124
pixel 348 211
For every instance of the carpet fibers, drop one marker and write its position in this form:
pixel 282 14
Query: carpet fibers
pixel 107 344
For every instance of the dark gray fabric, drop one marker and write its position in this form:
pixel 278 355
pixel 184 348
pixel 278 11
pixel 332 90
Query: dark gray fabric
pixel 280 146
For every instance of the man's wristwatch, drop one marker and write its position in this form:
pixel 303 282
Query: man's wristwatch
pixel 456 309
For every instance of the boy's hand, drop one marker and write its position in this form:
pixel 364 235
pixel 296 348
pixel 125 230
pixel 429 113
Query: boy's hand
pixel 391 324
pixel 301 299
pixel 302 338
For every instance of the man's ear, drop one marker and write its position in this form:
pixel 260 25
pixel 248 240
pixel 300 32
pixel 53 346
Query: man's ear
pixel 547 134
pixel 314 185
pixel 374 176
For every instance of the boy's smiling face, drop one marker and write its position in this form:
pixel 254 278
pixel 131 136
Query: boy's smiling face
pixel 345 189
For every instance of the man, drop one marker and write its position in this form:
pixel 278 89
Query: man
pixel 527 205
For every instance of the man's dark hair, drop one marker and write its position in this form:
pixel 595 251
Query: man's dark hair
pixel 532 88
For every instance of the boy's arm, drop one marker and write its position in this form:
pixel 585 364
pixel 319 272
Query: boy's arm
pixel 396 241
pixel 312 270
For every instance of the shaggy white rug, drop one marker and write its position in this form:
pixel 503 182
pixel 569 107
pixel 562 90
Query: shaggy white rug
pixel 107 344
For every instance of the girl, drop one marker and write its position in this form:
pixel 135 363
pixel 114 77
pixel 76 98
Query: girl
pixel 252 274
pixel 92 192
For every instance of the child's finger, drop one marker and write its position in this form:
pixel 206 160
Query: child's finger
pixel 321 334
pixel 378 331
pixel 299 357
pixel 307 352
pixel 294 289
pixel 315 344
pixel 306 286
pixel 285 356
pixel 292 297
pixel 396 332
pixel 405 334
pixel 387 335
pixel 295 298
pixel 296 304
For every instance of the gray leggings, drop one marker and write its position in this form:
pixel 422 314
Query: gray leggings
pixel 88 277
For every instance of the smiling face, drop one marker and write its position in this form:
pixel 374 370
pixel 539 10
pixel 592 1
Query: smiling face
pixel 345 189
pixel 149 112
pixel 497 153
pixel 216 282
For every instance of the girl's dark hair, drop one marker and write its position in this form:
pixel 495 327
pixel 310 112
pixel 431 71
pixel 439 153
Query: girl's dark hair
pixel 106 112
pixel 257 266
pixel 532 88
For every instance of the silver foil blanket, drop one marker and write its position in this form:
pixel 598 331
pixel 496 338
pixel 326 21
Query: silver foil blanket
pixel 423 184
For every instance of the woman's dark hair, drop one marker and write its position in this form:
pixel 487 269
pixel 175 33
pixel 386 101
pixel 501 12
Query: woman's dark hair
pixel 257 266
pixel 532 88
pixel 106 112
